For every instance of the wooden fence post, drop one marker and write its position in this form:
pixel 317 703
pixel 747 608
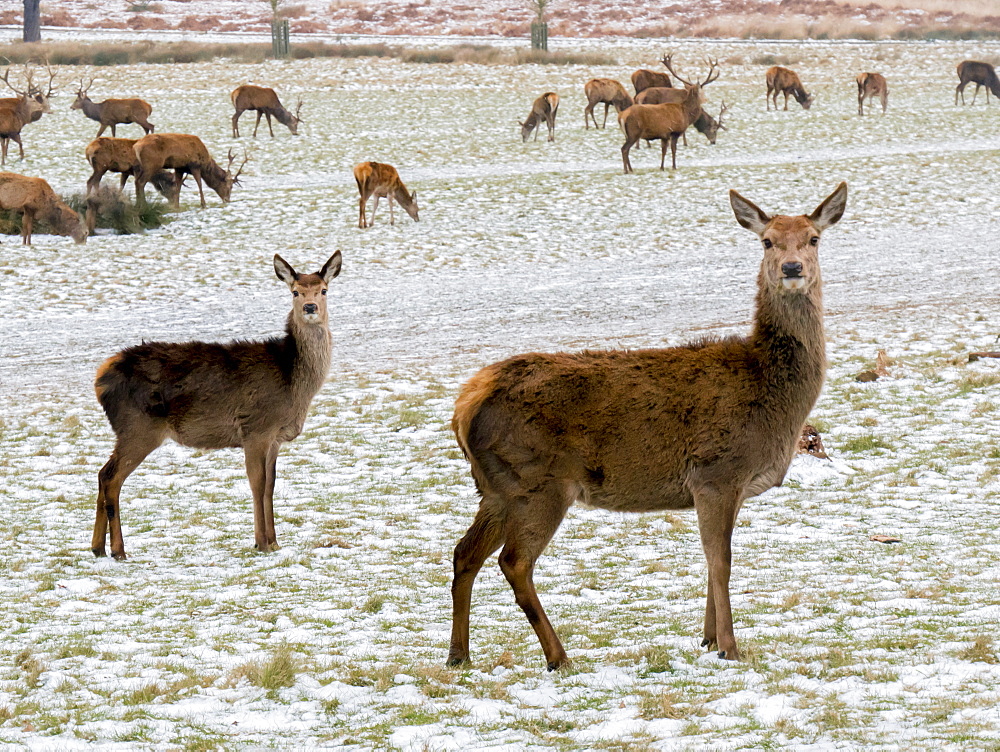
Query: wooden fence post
pixel 540 36
pixel 279 37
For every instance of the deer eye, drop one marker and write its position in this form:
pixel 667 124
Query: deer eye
pixel 814 240
pixel 324 292
pixel 295 293
pixel 767 243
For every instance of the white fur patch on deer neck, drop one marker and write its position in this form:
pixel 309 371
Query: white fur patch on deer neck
pixel 793 283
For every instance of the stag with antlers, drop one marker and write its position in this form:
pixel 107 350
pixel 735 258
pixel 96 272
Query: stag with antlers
pixel 184 154
pixel 112 112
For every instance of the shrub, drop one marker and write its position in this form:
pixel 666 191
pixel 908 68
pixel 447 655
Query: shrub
pixel 111 210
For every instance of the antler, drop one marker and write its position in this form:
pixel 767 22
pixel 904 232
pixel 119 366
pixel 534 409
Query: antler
pixel 52 78
pixel 667 61
pixel 239 170
pixel 725 108
pixel 84 87
pixel 11 86
pixel 298 109
pixel 713 67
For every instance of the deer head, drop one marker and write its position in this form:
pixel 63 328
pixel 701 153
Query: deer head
pixel 231 179
pixel 293 124
pixel 714 126
pixel 81 94
pixel 308 290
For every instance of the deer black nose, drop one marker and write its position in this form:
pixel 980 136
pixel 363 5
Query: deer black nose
pixel 309 308
pixel 792 269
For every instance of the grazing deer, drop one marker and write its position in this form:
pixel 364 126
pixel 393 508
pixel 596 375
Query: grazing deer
pixel 608 92
pixel 784 81
pixel 981 74
pixel 705 123
pixel 544 110
pixel 665 122
pixel 35 199
pixel 871 85
pixel 253 395
pixel 184 154
pixel 382 181
pixel 644 78
pixel 113 112
pixel 706 425
pixel 264 102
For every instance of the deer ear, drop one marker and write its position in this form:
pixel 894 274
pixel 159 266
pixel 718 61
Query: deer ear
pixel 331 268
pixel 832 209
pixel 284 271
pixel 748 214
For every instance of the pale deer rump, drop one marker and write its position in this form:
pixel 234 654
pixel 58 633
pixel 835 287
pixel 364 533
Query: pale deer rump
pixel 633 426
pixel 200 394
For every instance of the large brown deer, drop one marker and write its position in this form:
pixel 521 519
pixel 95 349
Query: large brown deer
pixel 608 92
pixel 706 425
pixel 185 155
pixel 36 200
pixel 11 124
pixel 382 181
pixel 785 81
pixel 980 74
pixel 263 101
pixel 31 102
pixel 665 122
pixel 113 112
pixel 253 395
pixel 644 78
pixel 704 124
pixel 543 110
pixel 871 85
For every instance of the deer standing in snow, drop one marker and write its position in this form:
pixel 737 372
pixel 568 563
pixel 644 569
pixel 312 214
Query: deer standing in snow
pixel 113 112
pixel 705 425
pixel 980 74
pixel 544 110
pixel 785 81
pixel 382 181
pixel 605 91
pixel 253 395
pixel 35 199
pixel 871 85
pixel 263 101
pixel 184 154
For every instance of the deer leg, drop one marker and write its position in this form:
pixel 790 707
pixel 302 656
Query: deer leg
pixel 885 101
pixel 196 172
pixel 974 94
pixel 3 150
pixel 673 152
pixel 717 509
pixel 392 218
pixel 269 124
pixel 786 101
pixel 260 472
pixel 605 123
pixel 236 123
pixel 27 220
pixel 663 151
pixel 272 472
pixel 626 148
pixel 362 223
pixel 113 134
pixel 257 124
pixel 484 536
pixel 125 458
pixel 588 112
pixel 374 207
pixel 530 526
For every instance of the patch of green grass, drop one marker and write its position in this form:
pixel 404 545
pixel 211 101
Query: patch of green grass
pixel 275 672
pixel 867 443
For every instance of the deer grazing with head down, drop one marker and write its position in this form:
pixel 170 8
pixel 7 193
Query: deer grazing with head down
pixel 252 395
pixel 185 155
pixel 118 155
pixel 382 181
pixel 263 101
pixel 705 124
pixel 871 85
pixel 36 200
pixel 644 78
pixel 980 74
pixel 785 81
pixel 706 425
pixel 665 122
pixel 608 92
pixel 113 112
pixel 543 110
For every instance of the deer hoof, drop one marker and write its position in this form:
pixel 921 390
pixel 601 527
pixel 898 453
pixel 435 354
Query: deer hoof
pixel 708 642
pixel 99 552
pixel 118 555
pixel 456 660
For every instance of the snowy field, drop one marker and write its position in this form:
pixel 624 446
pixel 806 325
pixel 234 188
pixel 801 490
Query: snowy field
pixel 339 639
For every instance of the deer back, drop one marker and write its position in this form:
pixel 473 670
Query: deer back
pixel 171 150
pixel 643 79
pixel 252 97
pixel 112 154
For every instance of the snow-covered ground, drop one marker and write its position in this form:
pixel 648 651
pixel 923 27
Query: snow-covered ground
pixel 339 639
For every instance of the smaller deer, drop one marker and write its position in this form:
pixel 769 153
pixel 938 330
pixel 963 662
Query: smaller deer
pixel 544 110
pixel 871 85
pixel 263 101
pixel 35 199
pixel 644 78
pixel 980 74
pixel 113 112
pixel 706 425
pixel 253 395
pixel 184 154
pixel 118 155
pixel 608 92
pixel 382 181
pixel 786 81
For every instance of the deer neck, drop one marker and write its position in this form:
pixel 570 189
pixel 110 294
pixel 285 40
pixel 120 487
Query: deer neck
pixel 313 346
pixel 692 104
pixel 90 109
pixel 789 341
pixel 282 115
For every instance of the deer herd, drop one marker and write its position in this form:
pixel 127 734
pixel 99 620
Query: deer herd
pixel 719 419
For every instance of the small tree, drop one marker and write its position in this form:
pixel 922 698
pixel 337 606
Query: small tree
pixel 539 27
pixel 32 21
